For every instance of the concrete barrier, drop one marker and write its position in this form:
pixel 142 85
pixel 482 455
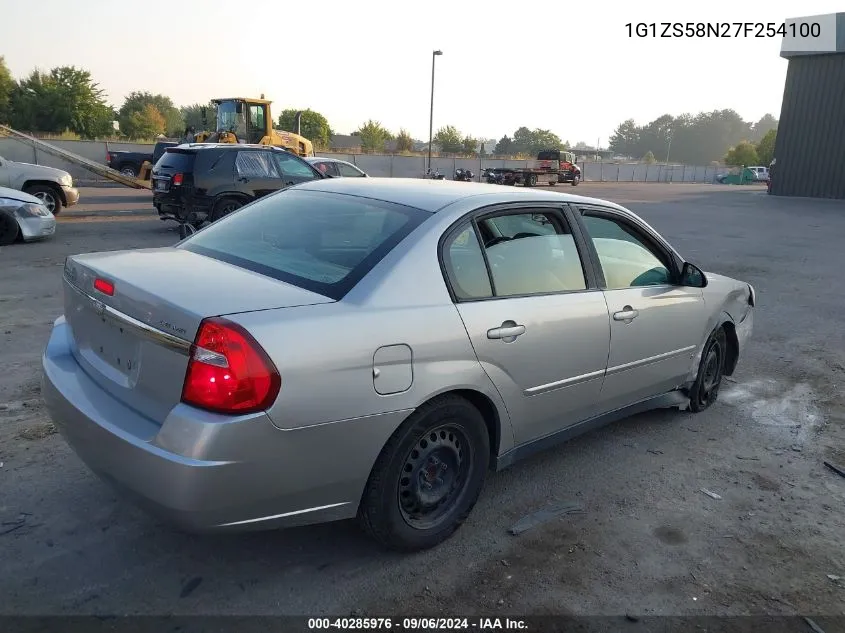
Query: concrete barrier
pixel 389 166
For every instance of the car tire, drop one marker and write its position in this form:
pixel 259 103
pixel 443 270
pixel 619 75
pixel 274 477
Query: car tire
pixel 436 460
pixel 48 195
pixel 576 180
pixel 225 206
pixel 9 229
pixel 129 170
pixel 705 390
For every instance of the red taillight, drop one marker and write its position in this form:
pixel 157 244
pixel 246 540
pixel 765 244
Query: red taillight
pixel 228 371
pixel 177 179
pixel 106 287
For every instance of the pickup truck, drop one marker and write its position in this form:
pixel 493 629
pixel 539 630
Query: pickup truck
pixel 132 164
pixel 551 167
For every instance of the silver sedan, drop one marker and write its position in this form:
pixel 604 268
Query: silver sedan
pixel 373 347
pixel 24 217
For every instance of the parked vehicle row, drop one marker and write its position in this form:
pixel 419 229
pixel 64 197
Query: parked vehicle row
pixel 53 187
pixel 198 183
pixel 370 347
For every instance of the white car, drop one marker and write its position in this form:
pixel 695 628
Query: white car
pixel 761 174
pixel 54 187
pixel 24 216
pixel 335 167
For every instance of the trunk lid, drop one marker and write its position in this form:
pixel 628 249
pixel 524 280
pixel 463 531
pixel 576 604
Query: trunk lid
pixel 134 343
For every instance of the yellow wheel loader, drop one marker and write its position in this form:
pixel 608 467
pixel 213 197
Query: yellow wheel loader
pixel 241 120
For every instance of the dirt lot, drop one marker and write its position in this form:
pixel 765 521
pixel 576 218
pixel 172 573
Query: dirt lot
pixel 648 542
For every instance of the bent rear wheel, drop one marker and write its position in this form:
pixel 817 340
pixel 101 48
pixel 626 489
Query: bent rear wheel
pixel 428 477
pixel 705 390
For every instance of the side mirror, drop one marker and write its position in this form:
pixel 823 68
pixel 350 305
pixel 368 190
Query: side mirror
pixel 692 276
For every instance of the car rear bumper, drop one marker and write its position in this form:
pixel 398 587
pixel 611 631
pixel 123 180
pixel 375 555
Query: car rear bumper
pixel 37 228
pixel 71 195
pixel 209 473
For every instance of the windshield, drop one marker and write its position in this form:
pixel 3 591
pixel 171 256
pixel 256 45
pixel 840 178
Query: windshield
pixel 228 119
pixel 318 241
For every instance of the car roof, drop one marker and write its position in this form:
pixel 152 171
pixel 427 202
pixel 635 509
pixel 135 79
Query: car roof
pixel 326 159
pixel 198 146
pixel 432 195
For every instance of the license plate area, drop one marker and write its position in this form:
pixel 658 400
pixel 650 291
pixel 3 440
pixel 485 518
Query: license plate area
pixel 161 185
pixel 115 345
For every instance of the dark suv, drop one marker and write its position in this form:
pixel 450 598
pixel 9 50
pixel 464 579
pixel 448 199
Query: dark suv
pixel 199 182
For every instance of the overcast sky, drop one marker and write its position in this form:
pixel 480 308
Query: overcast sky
pixel 569 67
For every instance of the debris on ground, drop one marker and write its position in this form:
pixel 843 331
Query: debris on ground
pixel 796 448
pixel 752 459
pixel 38 432
pixel 834 577
pixel 837 469
pixel 711 494
pixel 655 451
pixel 813 625
pixel 541 516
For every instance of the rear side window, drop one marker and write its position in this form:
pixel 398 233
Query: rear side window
pixel 177 161
pixel 255 165
pixel 318 241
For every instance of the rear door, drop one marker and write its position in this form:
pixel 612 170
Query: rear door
pixel 656 324
pixel 256 173
pixel 537 322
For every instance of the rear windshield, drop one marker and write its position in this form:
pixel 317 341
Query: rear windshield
pixel 322 242
pixel 178 161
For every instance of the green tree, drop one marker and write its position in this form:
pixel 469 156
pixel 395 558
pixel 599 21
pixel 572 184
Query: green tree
pixel 766 124
pixel 7 87
pixel 314 126
pixel 137 102
pixel 471 145
pixel 531 142
pixel 625 138
pixel 744 153
pixel 649 158
pixel 64 99
pixel 192 116
pixel 146 123
pixel 449 140
pixel 766 147
pixel 404 141
pixel 373 136
pixel 505 147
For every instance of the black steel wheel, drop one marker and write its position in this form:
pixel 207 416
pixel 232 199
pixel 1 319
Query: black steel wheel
pixel 705 390
pixel 224 207
pixel 428 476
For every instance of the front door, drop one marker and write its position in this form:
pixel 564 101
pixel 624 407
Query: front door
pixel 655 324
pixel 539 329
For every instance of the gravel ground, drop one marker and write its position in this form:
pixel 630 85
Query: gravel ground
pixel 648 541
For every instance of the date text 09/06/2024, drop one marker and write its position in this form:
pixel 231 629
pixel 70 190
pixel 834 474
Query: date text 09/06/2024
pixel 723 29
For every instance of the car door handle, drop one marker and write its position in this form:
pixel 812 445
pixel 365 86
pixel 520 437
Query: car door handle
pixel 625 314
pixel 506 331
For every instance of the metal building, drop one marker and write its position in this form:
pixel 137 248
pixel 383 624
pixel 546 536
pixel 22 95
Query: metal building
pixel 810 146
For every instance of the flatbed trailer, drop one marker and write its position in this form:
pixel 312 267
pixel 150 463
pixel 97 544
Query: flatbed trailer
pixel 75 159
pixel 550 168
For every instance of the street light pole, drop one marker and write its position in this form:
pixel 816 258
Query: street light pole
pixel 434 55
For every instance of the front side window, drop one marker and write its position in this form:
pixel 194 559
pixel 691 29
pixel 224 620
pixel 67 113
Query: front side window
pixel 255 165
pixel 626 259
pixel 319 241
pixel 293 167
